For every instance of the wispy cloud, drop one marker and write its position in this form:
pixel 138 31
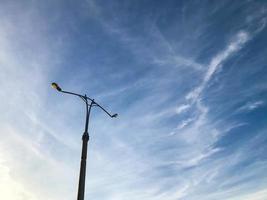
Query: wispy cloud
pixel 140 69
pixel 27 57
pixel 184 123
pixel 201 126
pixel 257 195
pixel 251 106
pixel 10 188
pixel 182 108
pixel 216 62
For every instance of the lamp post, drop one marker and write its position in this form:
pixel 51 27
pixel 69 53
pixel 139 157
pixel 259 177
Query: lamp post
pixel 85 138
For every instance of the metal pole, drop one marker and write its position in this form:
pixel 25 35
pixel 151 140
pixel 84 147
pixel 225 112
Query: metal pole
pixel 85 139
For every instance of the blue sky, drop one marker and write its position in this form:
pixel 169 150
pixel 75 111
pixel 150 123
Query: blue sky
pixel 188 79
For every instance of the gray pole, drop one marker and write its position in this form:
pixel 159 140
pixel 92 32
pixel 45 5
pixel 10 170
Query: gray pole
pixel 85 139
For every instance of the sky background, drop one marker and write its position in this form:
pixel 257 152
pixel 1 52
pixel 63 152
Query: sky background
pixel 188 79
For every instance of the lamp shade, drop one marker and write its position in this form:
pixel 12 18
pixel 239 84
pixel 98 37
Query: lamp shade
pixel 55 86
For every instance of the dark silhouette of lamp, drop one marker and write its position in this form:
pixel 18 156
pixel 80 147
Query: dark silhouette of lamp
pixel 89 103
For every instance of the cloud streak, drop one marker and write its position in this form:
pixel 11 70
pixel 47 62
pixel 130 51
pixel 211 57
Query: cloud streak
pixel 251 106
pixel 241 38
pixel 140 61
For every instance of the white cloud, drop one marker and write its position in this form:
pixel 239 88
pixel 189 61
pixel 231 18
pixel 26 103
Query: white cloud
pixel 255 195
pixel 241 38
pixel 26 60
pixel 9 188
pixel 161 52
pixel 251 106
pixel 198 132
pixel 177 61
pixel 200 125
pixel 184 123
pixel 123 162
pixel 232 126
pixel 182 108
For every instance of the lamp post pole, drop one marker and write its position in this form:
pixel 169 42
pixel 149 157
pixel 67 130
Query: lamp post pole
pixel 85 137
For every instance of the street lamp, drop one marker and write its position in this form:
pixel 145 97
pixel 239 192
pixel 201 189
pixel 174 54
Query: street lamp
pixel 85 136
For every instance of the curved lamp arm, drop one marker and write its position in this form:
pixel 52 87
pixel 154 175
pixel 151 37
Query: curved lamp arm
pixel 55 86
pixel 84 98
pixel 112 116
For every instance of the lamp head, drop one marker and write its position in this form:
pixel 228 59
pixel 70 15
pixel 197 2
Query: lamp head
pixel 114 116
pixel 55 86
